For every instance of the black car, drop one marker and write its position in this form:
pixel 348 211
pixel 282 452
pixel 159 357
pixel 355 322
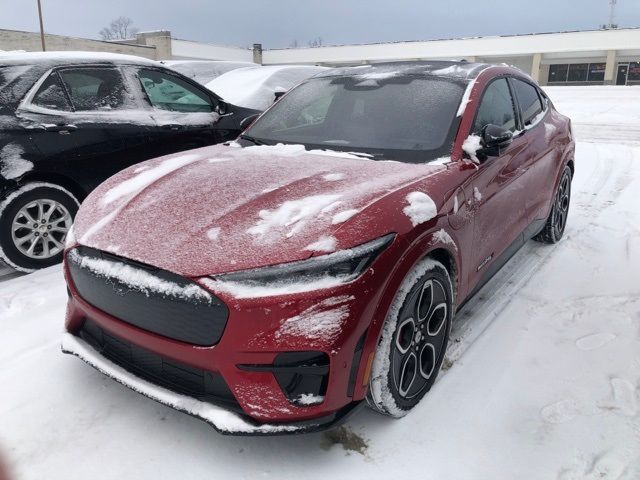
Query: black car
pixel 70 120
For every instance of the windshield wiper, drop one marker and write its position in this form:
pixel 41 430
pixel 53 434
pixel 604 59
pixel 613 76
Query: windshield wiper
pixel 252 140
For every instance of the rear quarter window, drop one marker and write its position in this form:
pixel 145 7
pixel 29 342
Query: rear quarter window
pixel 95 89
pixel 530 104
pixel 15 82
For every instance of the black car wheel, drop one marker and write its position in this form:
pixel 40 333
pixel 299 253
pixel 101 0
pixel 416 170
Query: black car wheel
pixel 414 340
pixel 34 222
pixel 557 220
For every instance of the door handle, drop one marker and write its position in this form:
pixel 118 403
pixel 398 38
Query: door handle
pixel 172 127
pixel 62 129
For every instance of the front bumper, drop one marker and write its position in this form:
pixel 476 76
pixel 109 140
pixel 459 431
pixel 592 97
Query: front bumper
pixel 246 357
pixel 223 420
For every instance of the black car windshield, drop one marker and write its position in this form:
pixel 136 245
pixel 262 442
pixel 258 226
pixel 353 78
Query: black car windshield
pixel 400 117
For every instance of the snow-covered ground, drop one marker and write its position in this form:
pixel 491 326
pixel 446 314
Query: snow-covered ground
pixel 542 379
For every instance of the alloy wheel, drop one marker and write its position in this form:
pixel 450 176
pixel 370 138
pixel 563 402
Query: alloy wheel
pixel 419 339
pixel 561 206
pixel 39 228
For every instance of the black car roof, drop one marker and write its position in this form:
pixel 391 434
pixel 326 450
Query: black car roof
pixel 64 58
pixel 461 70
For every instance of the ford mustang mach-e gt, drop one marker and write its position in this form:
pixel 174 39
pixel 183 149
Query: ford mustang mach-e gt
pixel 276 283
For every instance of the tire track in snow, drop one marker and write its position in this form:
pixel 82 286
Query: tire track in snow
pixel 593 195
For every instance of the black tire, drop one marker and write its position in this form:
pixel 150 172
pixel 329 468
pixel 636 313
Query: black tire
pixel 426 294
pixel 46 252
pixel 557 219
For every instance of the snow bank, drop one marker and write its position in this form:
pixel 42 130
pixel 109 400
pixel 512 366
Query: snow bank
pixel 322 321
pixel 293 214
pixel 12 165
pixel 421 208
pixel 137 279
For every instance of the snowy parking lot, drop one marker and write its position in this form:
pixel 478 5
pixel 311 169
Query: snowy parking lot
pixel 542 379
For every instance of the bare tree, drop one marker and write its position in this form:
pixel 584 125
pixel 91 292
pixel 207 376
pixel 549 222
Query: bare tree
pixel 316 42
pixel 294 44
pixel 119 29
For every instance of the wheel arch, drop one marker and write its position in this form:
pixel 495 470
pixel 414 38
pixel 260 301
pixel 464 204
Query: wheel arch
pixel 446 258
pixel 62 181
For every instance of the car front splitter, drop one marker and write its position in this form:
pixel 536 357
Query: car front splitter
pixel 224 421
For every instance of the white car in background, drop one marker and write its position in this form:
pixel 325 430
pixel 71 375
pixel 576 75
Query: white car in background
pixel 258 87
pixel 203 71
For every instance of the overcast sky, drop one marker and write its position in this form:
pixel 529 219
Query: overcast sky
pixel 276 23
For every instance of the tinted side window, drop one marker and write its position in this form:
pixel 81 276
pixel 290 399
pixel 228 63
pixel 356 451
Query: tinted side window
pixel 496 107
pixel 94 88
pixel 51 95
pixel 168 92
pixel 529 100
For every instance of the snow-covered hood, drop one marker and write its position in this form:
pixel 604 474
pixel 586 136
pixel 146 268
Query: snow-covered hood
pixel 220 209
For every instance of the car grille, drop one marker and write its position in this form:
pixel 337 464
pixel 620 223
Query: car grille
pixel 201 384
pixel 149 298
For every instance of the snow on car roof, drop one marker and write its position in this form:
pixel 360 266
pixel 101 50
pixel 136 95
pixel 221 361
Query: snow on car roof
pixel 451 69
pixel 25 58
pixel 254 87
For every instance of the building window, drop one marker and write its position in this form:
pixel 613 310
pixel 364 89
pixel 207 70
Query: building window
pixel 558 73
pixel 596 72
pixel 634 72
pixel 578 72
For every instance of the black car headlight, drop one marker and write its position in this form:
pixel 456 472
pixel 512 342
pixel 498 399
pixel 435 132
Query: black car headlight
pixel 322 272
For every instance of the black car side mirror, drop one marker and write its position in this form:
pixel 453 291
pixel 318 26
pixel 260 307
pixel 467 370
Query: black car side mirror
pixel 494 138
pixel 246 122
pixel 221 108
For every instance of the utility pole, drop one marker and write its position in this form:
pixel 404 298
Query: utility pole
pixel 612 13
pixel 44 48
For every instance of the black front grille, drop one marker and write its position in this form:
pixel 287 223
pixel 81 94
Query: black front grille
pixel 149 298
pixel 177 377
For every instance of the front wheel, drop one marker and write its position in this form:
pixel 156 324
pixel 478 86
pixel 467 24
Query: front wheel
pixel 34 222
pixel 557 220
pixel 414 340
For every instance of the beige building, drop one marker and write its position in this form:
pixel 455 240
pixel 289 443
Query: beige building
pixel 566 58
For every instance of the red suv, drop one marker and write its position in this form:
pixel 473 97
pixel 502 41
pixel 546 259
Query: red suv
pixel 275 283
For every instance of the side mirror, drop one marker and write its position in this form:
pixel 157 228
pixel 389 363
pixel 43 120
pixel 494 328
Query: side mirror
pixel 222 108
pixel 278 93
pixel 248 121
pixel 494 138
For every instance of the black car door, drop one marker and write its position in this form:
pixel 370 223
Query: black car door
pixel 186 116
pixel 88 123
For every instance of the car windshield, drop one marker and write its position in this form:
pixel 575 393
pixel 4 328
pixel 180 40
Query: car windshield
pixel 408 118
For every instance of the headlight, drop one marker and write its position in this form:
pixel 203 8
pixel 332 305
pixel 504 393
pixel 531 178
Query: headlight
pixel 318 272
